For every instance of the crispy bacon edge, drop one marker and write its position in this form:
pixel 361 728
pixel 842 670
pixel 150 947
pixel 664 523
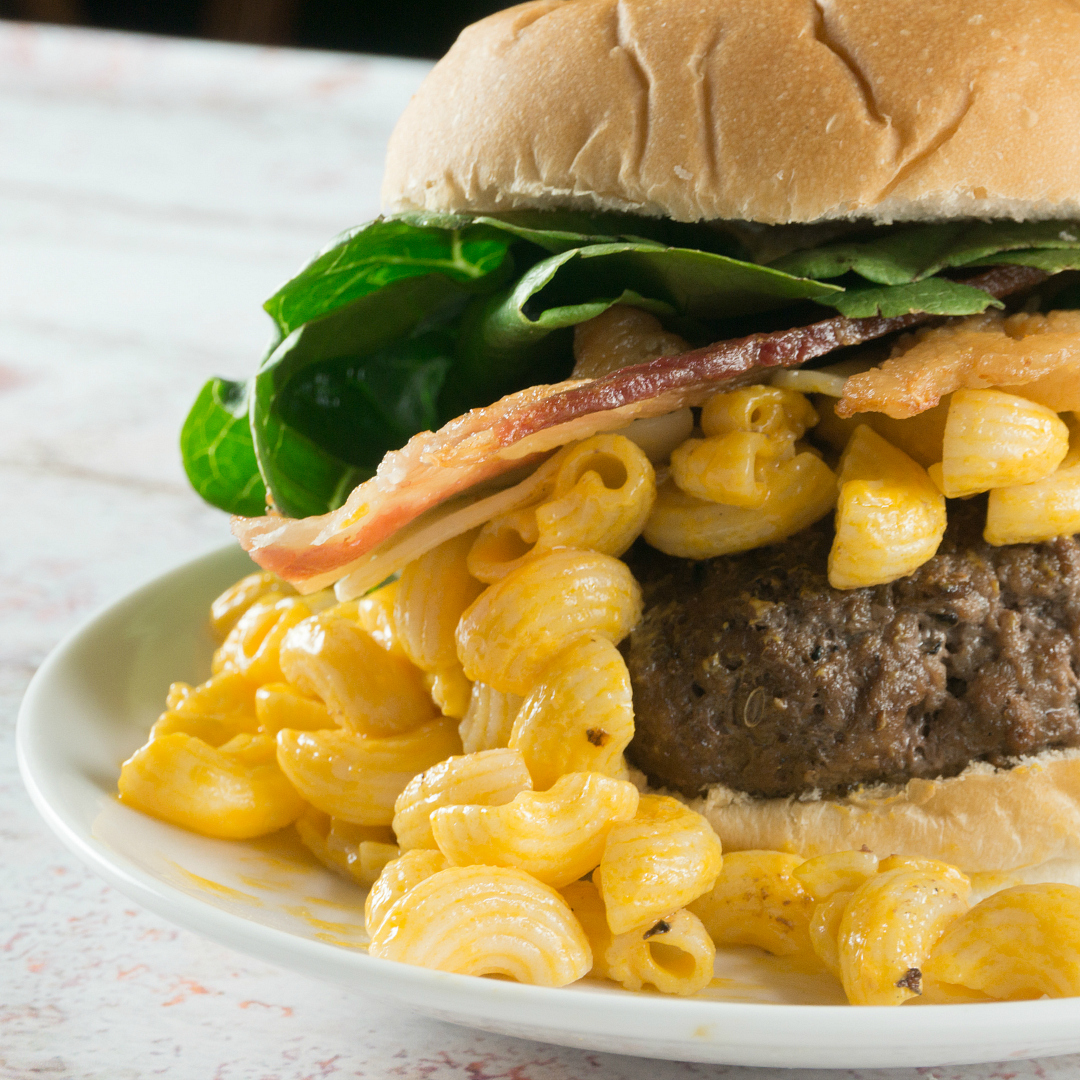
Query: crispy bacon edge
pixel 485 443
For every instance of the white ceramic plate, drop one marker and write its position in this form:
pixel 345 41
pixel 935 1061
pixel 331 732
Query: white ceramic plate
pixel 90 706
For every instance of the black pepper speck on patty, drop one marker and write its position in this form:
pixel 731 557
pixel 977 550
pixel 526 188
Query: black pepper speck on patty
pixel 753 672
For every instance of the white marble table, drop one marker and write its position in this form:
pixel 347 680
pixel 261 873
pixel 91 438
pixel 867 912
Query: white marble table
pixel 152 193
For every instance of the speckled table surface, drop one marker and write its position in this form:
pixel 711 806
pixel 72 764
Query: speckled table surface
pixel 152 193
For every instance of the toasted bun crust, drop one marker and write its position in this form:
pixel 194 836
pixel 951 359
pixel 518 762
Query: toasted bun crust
pixel 785 111
pixel 986 820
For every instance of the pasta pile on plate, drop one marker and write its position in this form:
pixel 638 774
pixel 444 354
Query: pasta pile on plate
pixel 454 739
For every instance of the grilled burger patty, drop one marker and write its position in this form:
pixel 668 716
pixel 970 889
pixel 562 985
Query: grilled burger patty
pixel 751 671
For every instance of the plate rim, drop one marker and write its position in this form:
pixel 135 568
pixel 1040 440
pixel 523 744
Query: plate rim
pixel 432 990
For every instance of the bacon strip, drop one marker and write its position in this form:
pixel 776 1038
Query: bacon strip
pixel 485 443
pixel 1041 353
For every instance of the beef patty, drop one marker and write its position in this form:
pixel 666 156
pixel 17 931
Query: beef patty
pixel 751 671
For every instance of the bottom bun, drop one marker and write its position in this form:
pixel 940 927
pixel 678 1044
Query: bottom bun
pixel 1013 825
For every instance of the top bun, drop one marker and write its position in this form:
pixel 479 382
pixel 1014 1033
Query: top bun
pixel 760 110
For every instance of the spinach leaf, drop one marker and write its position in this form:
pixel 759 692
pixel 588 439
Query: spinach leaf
pixel 353 406
pixel 939 296
pixel 301 477
pixel 368 259
pixel 217 450
pixel 980 245
pixel 996 240
pixel 911 254
pixel 1053 261
pixel 554 231
pixel 520 336
pixel 896 259
pixel 505 340
pixel 304 466
pixel 695 283
pixel 353 326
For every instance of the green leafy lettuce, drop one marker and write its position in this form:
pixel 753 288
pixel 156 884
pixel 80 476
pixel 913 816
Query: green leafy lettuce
pixel 218 451
pixel 404 323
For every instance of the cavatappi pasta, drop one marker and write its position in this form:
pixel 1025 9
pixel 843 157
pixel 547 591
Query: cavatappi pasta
pixel 454 740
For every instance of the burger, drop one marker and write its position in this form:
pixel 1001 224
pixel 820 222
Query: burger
pixel 844 191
